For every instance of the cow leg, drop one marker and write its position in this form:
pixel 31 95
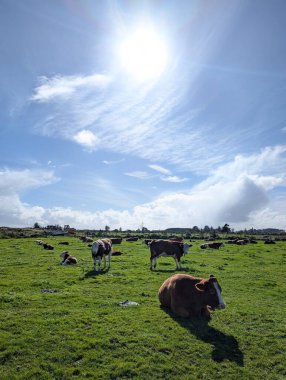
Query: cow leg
pixel 178 263
pixel 95 261
pixel 99 263
pixel 109 260
pixel 153 263
pixel 104 257
pixel 179 309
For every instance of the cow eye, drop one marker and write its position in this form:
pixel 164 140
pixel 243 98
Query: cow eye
pixel 212 291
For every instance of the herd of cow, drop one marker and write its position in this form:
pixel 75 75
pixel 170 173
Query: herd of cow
pixel 185 295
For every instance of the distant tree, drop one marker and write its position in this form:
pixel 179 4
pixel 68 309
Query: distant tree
pixel 107 228
pixel 196 229
pixel 36 225
pixel 54 227
pixel 145 229
pixel 207 229
pixel 225 229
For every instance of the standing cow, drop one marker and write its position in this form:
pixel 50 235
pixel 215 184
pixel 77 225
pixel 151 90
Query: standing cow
pixel 189 296
pixel 165 248
pixel 99 250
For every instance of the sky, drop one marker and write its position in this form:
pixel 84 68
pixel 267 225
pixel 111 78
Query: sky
pixel 143 113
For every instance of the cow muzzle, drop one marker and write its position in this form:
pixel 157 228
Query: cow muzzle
pixel 221 306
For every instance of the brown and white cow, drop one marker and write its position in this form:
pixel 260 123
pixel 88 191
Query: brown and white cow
pixel 86 239
pixel 116 240
pixel 39 242
pixel 167 248
pixel 63 242
pixel 67 259
pixel 212 245
pixel 189 296
pixel 99 250
pixel 49 247
pixel 241 242
pixel 132 238
pixel 269 241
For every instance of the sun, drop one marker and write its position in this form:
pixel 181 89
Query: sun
pixel 144 54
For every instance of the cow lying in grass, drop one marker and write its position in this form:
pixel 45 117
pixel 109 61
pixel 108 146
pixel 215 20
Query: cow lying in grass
pixel 39 242
pixel 212 245
pixel 49 247
pixel 99 250
pixel 189 296
pixel 67 259
pixel 165 248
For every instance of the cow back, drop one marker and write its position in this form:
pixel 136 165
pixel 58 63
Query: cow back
pixel 169 247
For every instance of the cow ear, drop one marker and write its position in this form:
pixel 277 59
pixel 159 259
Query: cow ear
pixel 201 286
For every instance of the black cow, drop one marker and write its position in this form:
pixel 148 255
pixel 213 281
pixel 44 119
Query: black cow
pixel 170 248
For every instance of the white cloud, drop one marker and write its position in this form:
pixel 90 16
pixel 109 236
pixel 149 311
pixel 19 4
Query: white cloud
pixel 266 182
pixel 240 193
pixel 128 118
pixel 173 179
pixel 160 169
pixel 110 162
pixel 270 161
pixel 65 86
pixel 138 174
pixel 87 138
pixel 15 181
pixel 13 212
pixel 167 177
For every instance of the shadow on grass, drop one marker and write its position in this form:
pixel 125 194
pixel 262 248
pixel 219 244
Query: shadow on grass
pixel 93 273
pixel 164 270
pixel 224 346
pixel 184 269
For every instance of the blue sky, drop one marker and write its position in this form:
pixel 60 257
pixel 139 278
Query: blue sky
pixel 99 127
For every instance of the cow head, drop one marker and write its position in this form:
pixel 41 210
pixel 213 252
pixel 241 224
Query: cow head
pixel 95 247
pixel 186 248
pixel 64 255
pixel 212 292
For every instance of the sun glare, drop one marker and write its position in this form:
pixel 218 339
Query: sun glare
pixel 143 54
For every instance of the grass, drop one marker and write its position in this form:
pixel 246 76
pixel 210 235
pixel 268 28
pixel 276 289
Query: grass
pixel 60 322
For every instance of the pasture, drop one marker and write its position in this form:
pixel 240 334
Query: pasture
pixel 64 322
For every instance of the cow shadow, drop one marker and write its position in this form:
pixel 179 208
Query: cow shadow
pixel 183 269
pixel 93 273
pixel 225 347
pixel 164 270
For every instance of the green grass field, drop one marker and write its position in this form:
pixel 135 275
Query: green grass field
pixel 63 322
